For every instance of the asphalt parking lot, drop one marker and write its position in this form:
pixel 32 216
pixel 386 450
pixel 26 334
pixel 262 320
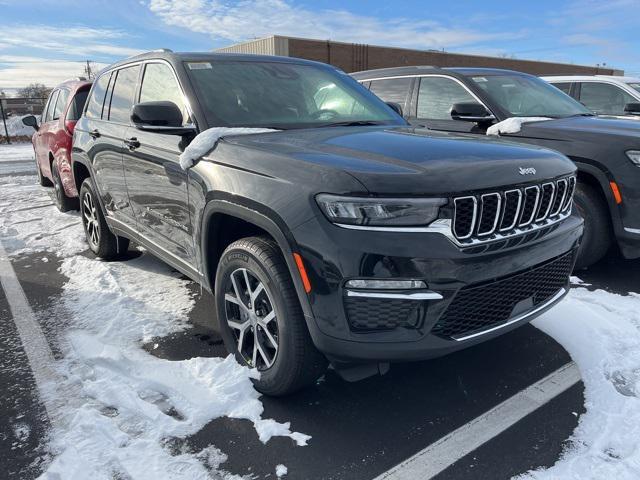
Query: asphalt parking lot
pixel 358 430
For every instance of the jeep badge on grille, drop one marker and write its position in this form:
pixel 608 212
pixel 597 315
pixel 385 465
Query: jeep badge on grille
pixel 527 171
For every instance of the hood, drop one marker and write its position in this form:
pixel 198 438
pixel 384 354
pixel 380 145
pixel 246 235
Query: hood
pixel 597 127
pixel 409 161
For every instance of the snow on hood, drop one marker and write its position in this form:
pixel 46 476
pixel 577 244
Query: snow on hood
pixel 513 124
pixel 207 141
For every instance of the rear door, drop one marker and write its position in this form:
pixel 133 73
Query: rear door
pixel 156 183
pixel 43 134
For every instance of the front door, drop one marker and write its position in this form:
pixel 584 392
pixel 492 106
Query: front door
pixel 156 183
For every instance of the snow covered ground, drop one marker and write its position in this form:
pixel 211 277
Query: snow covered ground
pixel 16 152
pixel 132 404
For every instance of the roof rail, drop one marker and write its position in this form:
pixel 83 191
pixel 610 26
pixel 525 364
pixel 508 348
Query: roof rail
pixel 165 50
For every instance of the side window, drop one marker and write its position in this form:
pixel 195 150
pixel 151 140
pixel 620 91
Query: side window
pixel 564 86
pixel 77 105
pixel 159 83
pixel 49 106
pixel 437 95
pixel 61 103
pixel 96 101
pixel 393 90
pixel 122 96
pixel 603 98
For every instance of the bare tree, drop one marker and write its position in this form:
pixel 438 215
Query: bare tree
pixel 35 90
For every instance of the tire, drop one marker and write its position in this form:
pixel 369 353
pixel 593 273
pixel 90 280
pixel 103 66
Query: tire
pixel 63 202
pixel 294 360
pixel 42 180
pixel 597 239
pixel 102 242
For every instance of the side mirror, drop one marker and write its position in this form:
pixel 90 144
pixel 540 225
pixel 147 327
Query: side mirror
pixel 159 117
pixel 31 121
pixel 471 112
pixel 395 107
pixel 632 108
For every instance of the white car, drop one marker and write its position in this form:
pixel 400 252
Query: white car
pixel 603 94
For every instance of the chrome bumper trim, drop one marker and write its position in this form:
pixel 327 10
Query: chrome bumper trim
pixel 632 230
pixel 553 299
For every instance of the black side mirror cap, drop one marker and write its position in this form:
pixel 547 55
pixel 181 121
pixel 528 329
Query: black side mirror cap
pixel 395 107
pixel 160 117
pixel 632 108
pixel 31 121
pixel 471 112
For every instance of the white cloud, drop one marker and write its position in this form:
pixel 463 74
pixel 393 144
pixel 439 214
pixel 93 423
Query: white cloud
pixel 258 18
pixel 18 71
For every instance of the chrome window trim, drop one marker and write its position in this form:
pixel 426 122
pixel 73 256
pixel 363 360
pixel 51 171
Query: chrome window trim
pixel 517 215
pixel 571 187
pixel 474 217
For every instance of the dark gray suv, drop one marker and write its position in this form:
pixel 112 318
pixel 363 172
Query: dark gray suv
pixel 344 236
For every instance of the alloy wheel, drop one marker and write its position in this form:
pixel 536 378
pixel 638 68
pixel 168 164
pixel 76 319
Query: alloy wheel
pixel 252 318
pixel 90 219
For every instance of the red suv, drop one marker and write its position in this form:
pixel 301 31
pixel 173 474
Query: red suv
pixel 53 138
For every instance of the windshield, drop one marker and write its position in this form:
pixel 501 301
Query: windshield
pixel 635 86
pixel 283 95
pixel 524 96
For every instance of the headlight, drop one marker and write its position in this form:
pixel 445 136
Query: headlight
pixel 381 212
pixel 634 156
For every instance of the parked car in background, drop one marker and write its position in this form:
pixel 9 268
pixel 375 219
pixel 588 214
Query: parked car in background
pixel 470 100
pixel 53 137
pixel 344 235
pixel 602 94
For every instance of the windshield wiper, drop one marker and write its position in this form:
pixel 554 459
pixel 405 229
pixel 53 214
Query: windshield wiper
pixel 354 123
pixel 582 115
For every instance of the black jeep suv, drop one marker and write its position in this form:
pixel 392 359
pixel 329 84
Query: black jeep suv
pixel 606 151
pixel 345 235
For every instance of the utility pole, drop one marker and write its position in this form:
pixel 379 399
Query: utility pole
pixel 4 121
pixel 87 70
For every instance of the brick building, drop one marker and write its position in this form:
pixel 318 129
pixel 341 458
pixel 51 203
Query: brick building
pixel 353 57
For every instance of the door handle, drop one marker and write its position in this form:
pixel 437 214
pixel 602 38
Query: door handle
pixel 132 143
pixel 94 133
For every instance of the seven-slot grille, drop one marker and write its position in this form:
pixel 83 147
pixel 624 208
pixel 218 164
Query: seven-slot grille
pixel 481 217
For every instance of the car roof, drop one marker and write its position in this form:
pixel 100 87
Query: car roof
pixel 179 57
pixel 614 78
pixel 422 70
pixel 75 84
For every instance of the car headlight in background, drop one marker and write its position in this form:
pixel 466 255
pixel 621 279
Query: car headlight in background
pixel 634 156
pixel 380 212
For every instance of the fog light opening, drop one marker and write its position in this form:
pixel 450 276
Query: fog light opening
pixel 386 284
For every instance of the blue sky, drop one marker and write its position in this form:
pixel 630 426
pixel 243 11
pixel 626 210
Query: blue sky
pixel 47 40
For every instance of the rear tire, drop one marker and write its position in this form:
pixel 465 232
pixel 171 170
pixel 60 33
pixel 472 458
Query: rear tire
pixel 63 202
pixel 597 239
pixel 267 326
pixel 102 242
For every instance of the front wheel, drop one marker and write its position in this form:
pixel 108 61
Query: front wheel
pixel 102 242
pixel 596 239
pixel 260 317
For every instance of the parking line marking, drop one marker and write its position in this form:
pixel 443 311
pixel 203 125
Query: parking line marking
pixel 34 342
pixel 455 445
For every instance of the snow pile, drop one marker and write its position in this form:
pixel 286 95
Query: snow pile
pixel 16 128
pixel 31 222
pixel 281 471
pixel 133 403
pixel 601 332
pixel 513 124
pixel 207 141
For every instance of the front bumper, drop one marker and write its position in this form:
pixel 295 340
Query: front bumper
pixel 334 255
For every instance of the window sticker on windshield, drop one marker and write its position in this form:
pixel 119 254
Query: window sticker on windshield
pixel 199 65
pixel 479 79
